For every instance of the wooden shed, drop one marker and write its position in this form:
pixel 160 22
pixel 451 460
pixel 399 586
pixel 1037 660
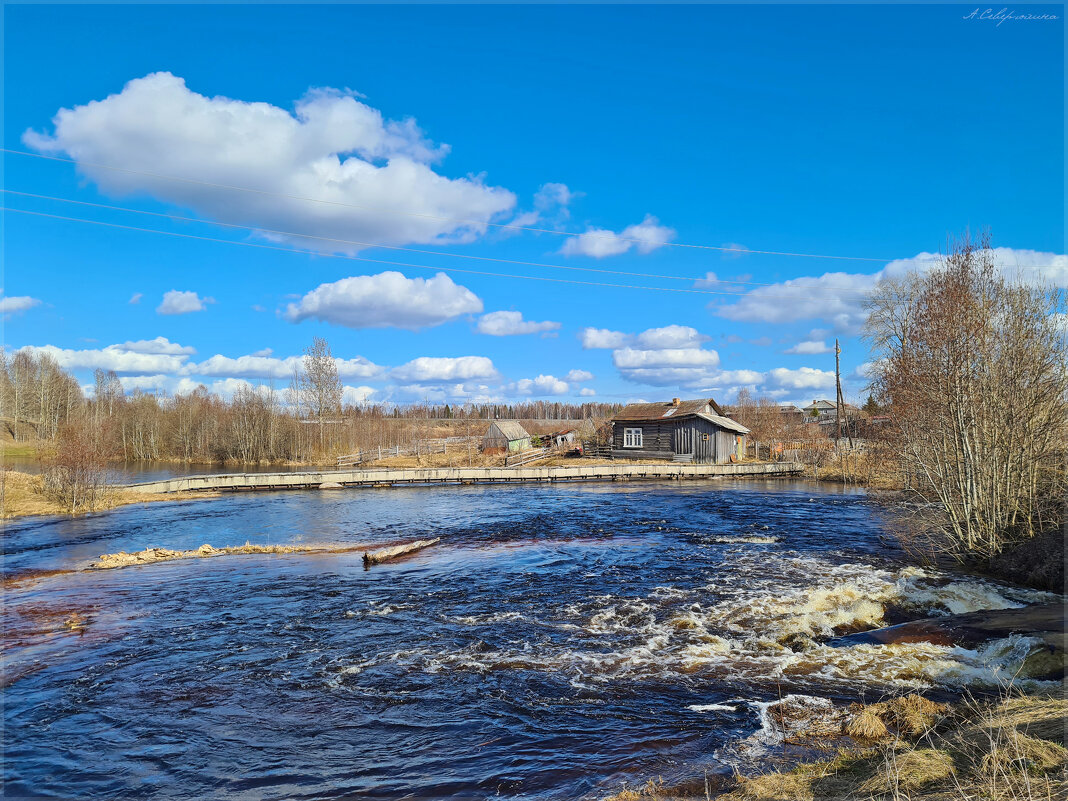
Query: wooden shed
pixel 505 436
pixel 683 430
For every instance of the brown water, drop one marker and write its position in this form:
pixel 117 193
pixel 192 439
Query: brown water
pixel 558 641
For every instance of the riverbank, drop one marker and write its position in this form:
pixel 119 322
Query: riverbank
pixel 1011 747
pixel 23 495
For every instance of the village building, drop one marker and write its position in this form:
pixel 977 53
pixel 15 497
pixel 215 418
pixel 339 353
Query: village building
pixel 820 410
pixel 561 439
pixel 683 430
pixel 505 436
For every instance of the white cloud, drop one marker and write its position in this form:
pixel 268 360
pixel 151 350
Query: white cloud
pixel 354 396
pixel 666 367
pixel 578 376
pixel 145 383
pixel 384 300
pixel 179 302
pixel 113 357
pixel 810 347
pixel 135 298
pixel 263 352
pixel 671 336
pixel 586 392
pixel 333 148
pixel 552 195
pixel 428 369
pixel 273 367
pixel 801 378
pixel 646 236
pixel 17 303
pixel 541 386
pixel 510 323
pixel 835 297
pixel 157 345
pixel 602 338
pixel 839 297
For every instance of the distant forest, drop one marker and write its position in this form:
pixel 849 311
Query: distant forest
pixel 44 405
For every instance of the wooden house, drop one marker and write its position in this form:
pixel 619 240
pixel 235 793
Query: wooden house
pixel 683 430
pixel 561 439
pixel 820 410
pixel 505 436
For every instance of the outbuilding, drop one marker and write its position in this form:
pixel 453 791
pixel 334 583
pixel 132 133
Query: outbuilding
pixel 682 430
pixel 505 436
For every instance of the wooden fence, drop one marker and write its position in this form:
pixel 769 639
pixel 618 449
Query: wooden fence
pixel 526 457
pixel 596 450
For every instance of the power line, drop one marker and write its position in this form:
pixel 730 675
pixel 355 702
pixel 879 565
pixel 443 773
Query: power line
pixel 362 258
pixel 257 229
pixel 507 226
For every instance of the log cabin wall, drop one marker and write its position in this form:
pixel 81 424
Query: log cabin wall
pixel 661 439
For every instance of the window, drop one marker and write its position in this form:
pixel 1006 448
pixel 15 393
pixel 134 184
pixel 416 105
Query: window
pixel 632 437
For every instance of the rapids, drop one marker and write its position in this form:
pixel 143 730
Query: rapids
pixel 559 640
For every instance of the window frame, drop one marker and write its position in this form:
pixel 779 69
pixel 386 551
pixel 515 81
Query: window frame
pixel 633 436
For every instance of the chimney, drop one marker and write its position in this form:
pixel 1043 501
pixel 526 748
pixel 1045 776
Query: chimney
pixel 675 401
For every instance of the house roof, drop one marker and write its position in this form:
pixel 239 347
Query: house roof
pixel 724 422
pixel 509 429
pixel 666 409
pixel 820 404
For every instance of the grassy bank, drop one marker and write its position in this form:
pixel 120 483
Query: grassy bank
pixel 22 494
pixel 1007 749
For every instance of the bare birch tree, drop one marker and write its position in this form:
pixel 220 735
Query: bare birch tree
pixel 974 368
pixel 320 385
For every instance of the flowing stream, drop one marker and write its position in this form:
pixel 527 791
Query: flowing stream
pixel 558 641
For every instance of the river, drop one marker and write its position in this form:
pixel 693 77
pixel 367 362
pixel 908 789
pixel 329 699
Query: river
pixel 558 641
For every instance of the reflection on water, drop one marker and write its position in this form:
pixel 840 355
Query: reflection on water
pixel 558 640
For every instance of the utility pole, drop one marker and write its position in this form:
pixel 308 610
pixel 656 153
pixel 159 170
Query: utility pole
pixel 838 394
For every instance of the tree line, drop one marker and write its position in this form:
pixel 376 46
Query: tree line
pixel 305 420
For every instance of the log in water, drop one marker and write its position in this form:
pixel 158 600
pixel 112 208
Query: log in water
pixel 386 554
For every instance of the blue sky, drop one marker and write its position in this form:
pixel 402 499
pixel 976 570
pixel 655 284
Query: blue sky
pixel 864 131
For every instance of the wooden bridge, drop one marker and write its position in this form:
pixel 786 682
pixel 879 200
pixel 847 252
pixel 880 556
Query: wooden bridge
pixel 330 479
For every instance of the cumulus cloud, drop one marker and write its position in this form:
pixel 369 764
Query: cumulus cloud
pixel 113 357
pixel 578 376
pixel 541 386
pixel 801 378
pixel 145 383
pixel 510 323
pixel 594 338
pixel 428 369
pixel 157 345
pixel 178 302
pixel 17 303
pixel 666 366
pixel 355 396
pixel 273 367
pixel 646 236
pixel 671 336
pixel 810 347
pixel 333 148
pixel 554 195
pixel 839 297
pixel 388 299
pixel 586 392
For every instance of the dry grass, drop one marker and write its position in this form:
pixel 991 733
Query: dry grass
pixel 110 561
pixel 913 749
pixel 867 725
pixel 863 469
pixel 22 494
pixel 910 770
